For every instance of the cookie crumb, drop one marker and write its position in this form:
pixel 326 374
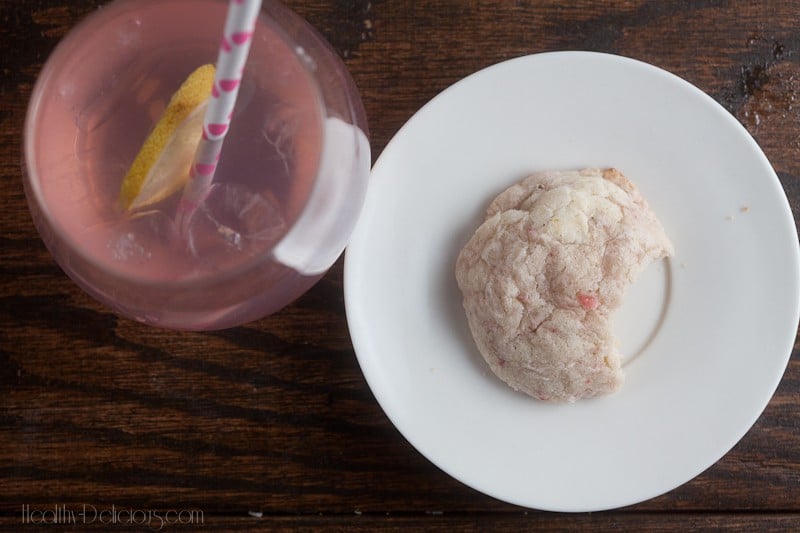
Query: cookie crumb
pixel 745 209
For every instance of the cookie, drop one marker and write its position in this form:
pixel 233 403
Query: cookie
pixel 543 274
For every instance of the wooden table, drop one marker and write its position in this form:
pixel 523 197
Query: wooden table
pixel 272 425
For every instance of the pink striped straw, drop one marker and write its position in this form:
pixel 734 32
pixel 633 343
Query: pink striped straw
pixel 239 26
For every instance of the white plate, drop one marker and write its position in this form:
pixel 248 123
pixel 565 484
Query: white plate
pixel 711 328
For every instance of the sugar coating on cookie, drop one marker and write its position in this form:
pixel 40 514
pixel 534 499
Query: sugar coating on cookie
pixel 543 274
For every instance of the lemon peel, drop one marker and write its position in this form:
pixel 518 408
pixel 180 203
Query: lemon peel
pixel 162 165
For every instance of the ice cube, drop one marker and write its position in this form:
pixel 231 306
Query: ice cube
pixel 137 238
pixel 125 247
pixel 235 219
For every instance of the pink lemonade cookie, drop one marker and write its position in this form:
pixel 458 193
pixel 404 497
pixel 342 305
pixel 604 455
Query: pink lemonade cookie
pixel 543 274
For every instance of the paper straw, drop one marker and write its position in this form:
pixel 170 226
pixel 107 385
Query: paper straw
pixel 238 34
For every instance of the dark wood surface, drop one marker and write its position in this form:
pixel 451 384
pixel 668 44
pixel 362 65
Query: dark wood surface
pixel 271 426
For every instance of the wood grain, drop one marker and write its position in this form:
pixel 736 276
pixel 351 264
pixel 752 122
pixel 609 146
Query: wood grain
pixel 275 417
pixel 444 523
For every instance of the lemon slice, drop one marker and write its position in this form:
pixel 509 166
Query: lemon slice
pixel 162 165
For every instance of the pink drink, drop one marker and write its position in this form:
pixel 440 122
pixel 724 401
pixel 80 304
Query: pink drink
pixel 270 226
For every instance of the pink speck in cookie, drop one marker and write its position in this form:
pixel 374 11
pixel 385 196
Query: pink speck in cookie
pixel 588 301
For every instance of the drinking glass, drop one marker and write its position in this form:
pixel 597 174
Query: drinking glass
pixel 289 184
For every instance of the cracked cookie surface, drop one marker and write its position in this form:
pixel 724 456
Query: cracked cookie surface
pixel 543 274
